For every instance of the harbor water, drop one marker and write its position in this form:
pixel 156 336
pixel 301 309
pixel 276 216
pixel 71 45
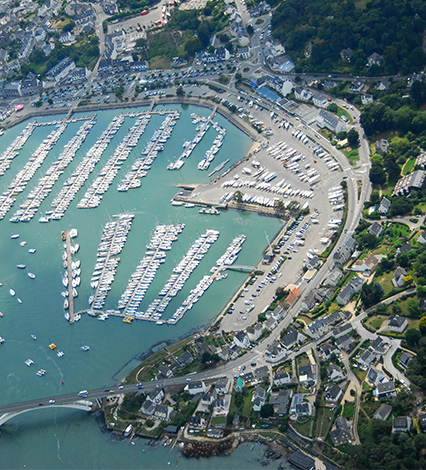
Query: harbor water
pixel 69 439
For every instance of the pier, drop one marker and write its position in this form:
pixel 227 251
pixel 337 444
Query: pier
pixel 240 268
pixel 71 308
pixel 219 167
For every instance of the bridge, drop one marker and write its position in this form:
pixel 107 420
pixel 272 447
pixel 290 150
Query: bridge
pixel 78 405
pixel 241 268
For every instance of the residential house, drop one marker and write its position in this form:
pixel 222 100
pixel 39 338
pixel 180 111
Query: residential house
pixel 356 86
pixel 367 98
pixel 386 390
pixel 414 180
pixel 375 376
pixel 207 399
pixel 332 123
pixel 261 373
pixel 278 313
pixel 162 412
pixel 307 376
pixel 215 433
pixel 401 424
pixel 379 347
pixel 302 94
pixel 281 401
pixel 249 378
pixel 367 359
pixel 404 249
pixel 284 378
pixel 244 53
pixel 156 396
pixel 384 206
pixel 399 276
pixel 335 373
pixel 257 78
pixel 397 324
pixel 222 386
pixel 422 238
pixel 254 332
pixel 320 101
pixel 365 266
pixel 333 278
pixel 375 59
pixel 241 340
pixel 353 287
pixel 291 298
pixel 239 385
pixel 383 412
pixel 193 388
pixel 381 146
pixel 148 407
pixel 346 54
pixel 420 160
pixel 344 343
pixel 422 422
pixel 271 324
pixel 259 398
pixel 311 299
pixel 404 359
pixel 292 337
pixel 221 405
pixel 275 352
pixel 172 429
pixel 328 349
pixel 341 433
pixel 343 254
pixel 375 229
pixel 333 395
pixel 314 263
pixel 299 407
pixel 184 359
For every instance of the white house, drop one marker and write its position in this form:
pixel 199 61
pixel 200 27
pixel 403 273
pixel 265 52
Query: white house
pixel 397 324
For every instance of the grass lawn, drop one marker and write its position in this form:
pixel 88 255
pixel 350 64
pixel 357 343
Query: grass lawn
pixel 376 321
pixel 342 112
pixel 386 282
pixel 352 155
pixel 302 360
pixel 408 166
pixel 217 420
pixel 324 418
pixel 305 428
pixel 247 406
pixel 361 374
pixel 348 411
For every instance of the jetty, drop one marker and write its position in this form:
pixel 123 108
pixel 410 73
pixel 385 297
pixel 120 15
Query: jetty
pixel 219 167
pixel 71 308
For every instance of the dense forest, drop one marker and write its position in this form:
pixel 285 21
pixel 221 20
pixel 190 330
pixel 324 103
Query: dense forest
pixel 392 28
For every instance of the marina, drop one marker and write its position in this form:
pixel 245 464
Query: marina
pixel 203 125
pixel 21 180
pixel 181 274
pixel 142 165
pixel 142 278
pixel 112 242
pixel 101 184
pixel 80 175
pixel 35 198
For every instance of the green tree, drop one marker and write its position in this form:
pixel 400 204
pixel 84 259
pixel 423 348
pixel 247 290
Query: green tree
pixel 422 325
pixel 371 294
pixel 353 138
pixel 332 107
pixel 180 91
pixel 267 411
pixel 412 337
pixel 238 197
pixel 377 175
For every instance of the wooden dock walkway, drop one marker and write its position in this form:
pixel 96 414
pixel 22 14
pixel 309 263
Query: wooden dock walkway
pixel 69 275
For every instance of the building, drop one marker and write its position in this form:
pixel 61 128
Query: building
pixel 422 238
pixel 330 122
pixel 307 376
pixel 397 324
pixel 399 276
pixel 341 433
pixel 386 390
pixel 375 376
pixel 299 407
pixel 241 340
pixel 333 278
pixel 384 206
pixel 259 398
pixel 254 332
pixel 346 54
pixel 353 287
pixel 320 101
pixel 335 373
pixel 383 412
pixel 375 59
pixel 301 460
pixel 61 70
pixel 193 388
pixel 291 298
pixel 292 337
pixel 365 266
pixel 404 359
pixel 284 378
pixel 401 424
pixel 333 395
pixel 344 343
pixel 275 352
pixel 281 401
pixel 422 421
pixel 302 94
pixel 381 146
pixel 344 252
pixel 375 229
pixel 366 98
pixel 412 181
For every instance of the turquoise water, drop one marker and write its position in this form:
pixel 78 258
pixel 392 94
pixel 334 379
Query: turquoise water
pixel 115 346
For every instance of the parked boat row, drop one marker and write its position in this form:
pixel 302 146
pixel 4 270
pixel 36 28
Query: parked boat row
pixel 142 165
pixel 106 176
pixel 204 164
pixel 202 128
pixel 112 242
pixel 36 196
pixel 71 279
pixel 13 150
pixel 210 211
pixel 227 258
pixel 80 175
pixel 142 278
pixel 20 181
pixel 182 272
